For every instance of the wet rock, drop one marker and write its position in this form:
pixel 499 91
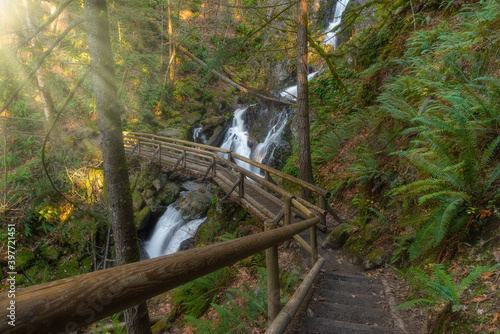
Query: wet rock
pixel 194 205
pixel 196 186
pixel 187 244
pixel 169 193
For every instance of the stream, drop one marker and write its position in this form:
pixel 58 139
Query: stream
pixel 171 230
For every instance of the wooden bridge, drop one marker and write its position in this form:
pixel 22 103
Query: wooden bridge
pixel 65 305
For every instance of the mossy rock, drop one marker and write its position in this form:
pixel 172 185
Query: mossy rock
pixel 161 326
pixel 137 200
pixel 372 233
pixel 374 259
pixel 194 205
pixel 337 238
pixel 142 216
pixel 23 259
pixel 51 255
pixel 169 193
pixel 353 249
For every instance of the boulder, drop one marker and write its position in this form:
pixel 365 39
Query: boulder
pixel 337 238
pixel 196 186
pixel 353 250
pixel 92 150
pixel 169 193
pixel 374 259
pixel 51 255
pixel 194 205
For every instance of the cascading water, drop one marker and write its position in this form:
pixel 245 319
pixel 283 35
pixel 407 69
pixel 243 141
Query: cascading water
pixel 237 138
pixel 331 38
pixel 170 231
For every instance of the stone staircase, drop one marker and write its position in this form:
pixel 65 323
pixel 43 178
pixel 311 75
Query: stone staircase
pixel 348 304
pixel 345 299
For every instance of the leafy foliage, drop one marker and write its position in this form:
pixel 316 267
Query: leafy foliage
pixel 438 287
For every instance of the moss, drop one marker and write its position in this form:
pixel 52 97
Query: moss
pixel 24 258
pixel 336 238
pixel 353 249
pixel 161 326
pixel 137 200
pixel 91 150
pixel 67 268
pixel 374 259
pixel 142 216
pixel 51 255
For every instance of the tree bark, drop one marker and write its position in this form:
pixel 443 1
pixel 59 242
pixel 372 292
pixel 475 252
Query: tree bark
pixel 114 159
pixel 303 141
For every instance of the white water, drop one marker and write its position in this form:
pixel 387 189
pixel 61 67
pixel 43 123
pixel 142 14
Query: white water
pixel 196 136
pixel 331 35
pixel 330 38
pixel 237 139
pixel 170 231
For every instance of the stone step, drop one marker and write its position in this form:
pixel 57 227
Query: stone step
pixel 347 298
pixel 349 313
pixel 354 278
pixel 329 326
pixel 355 288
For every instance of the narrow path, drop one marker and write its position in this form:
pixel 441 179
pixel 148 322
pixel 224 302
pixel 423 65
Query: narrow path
pixel 345 299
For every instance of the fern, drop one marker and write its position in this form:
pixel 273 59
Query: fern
pixel 438 287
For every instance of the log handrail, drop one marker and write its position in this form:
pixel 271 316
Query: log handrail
pixel 68 304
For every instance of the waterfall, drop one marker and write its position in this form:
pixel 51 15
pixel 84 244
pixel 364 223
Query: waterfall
pixel 237 138
pixel 331 35
pixel 330 38
pixel 196 136
pixel 170 231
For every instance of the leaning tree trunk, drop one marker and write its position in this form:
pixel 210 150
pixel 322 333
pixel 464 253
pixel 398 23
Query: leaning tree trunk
pixel 114 159
pixel 303 141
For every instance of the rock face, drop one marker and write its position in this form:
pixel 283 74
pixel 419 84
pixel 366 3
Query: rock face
pixel 194 205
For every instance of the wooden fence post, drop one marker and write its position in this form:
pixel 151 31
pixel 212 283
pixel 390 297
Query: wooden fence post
pixel 273 278
pixel 242 188
pixel 287 218
pixel 322 205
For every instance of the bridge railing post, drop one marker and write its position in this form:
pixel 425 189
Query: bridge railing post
pixel 273 279
pixel 242 185
pixel 322 205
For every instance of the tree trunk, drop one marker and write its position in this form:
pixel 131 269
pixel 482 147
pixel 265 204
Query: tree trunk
pixel 303 143
pixel 114 159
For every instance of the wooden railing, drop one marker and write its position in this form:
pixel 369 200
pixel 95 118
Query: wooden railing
pixel 65 305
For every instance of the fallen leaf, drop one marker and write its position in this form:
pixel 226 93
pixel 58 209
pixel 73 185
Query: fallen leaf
pixel 480 298
pixel 321 299
pixel 485 213
pixel 495 319
pixel 488 274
